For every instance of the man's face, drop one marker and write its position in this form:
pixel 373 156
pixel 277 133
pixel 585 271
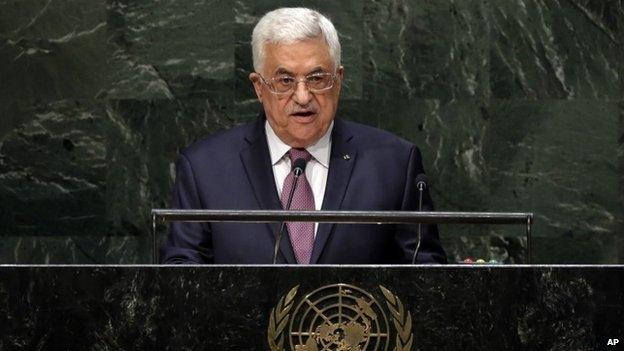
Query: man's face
pixel 299 118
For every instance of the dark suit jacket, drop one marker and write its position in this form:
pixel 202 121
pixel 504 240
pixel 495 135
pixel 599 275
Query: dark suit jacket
pixel 232 170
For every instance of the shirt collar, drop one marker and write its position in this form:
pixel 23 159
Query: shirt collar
pixel 320 150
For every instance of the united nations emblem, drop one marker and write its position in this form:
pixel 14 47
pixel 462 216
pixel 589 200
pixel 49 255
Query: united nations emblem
pixel 339 317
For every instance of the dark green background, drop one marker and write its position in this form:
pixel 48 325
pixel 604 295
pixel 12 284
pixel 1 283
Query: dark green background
pixel 516 105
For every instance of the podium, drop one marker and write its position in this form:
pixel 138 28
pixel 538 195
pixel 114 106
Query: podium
pixel 315 307
pixel 452 307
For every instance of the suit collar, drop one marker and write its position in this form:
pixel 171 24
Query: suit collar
pixel 277 148
pixel 321 150
pixel 342 160
pixel 257 163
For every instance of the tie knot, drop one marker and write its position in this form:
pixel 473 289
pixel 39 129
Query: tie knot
pixel 295 154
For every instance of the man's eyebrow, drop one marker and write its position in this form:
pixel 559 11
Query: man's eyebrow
pixel 282 70
pixel 318 69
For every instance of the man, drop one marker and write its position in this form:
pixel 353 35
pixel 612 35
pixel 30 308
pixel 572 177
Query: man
pixel 297 78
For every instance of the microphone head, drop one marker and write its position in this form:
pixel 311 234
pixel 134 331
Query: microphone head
pixel 420 181
pixel 299 166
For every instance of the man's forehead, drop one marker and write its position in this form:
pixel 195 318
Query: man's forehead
pixel 305 56
pixel 284 70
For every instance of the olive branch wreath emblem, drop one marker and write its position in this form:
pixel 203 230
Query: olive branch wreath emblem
pixel 278 320
pixel 402 321
pixel 280 315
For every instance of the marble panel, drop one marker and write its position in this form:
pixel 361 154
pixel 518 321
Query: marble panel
pixel 53 49
pixel 620 161
pixel 426 49
pixel 82 167
pixel 171 49
pixel 557 49
pixel 558 158
pixel 52 167
pixel 80 249
pixel 228 308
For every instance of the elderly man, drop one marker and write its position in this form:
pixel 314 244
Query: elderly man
pixel 297 78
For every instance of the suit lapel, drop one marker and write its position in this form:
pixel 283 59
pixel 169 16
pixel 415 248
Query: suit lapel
pixel 341 162
pixel 257 163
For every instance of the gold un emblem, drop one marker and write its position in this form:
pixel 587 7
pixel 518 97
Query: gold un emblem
pixel 339 317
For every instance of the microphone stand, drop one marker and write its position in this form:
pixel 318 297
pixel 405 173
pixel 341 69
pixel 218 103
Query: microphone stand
pixel 421 184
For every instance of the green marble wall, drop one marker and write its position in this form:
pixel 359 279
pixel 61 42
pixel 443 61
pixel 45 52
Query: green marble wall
pixel 516 105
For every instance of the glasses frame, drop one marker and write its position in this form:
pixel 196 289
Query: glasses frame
pixel 269 83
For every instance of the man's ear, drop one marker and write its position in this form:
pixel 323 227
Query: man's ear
pixel 340 72
pixel 340 75
pixel 257 84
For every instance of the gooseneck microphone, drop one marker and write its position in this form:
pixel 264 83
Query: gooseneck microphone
pixel 298 167
pixel 421 185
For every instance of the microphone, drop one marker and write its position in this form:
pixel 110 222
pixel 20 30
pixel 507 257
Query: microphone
pixel 298 167
pixel 421 185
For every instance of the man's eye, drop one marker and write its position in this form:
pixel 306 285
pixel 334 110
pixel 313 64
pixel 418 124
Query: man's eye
pixel 286 80
pixel 314 79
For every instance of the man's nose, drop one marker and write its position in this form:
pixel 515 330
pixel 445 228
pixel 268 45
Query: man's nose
pixel 302 95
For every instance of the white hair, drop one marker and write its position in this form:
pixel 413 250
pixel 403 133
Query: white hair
pixel 289 25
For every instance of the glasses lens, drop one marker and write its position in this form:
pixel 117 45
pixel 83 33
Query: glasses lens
pixel 314 82
pixel 283 84
pixel 319 81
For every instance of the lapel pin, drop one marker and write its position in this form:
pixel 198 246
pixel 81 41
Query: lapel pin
pixel 346 157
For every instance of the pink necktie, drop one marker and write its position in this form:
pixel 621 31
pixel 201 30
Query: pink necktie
pixel 301 233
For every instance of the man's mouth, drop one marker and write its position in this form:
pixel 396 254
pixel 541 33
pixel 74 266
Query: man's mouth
pixel 303 113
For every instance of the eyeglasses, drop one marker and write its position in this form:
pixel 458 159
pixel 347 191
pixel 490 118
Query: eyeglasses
pixel 285 84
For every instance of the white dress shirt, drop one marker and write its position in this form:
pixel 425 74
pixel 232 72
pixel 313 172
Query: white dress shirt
pixel 316 169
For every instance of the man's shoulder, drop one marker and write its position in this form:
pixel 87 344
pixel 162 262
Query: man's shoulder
pixel 223 142
pixel 374 137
